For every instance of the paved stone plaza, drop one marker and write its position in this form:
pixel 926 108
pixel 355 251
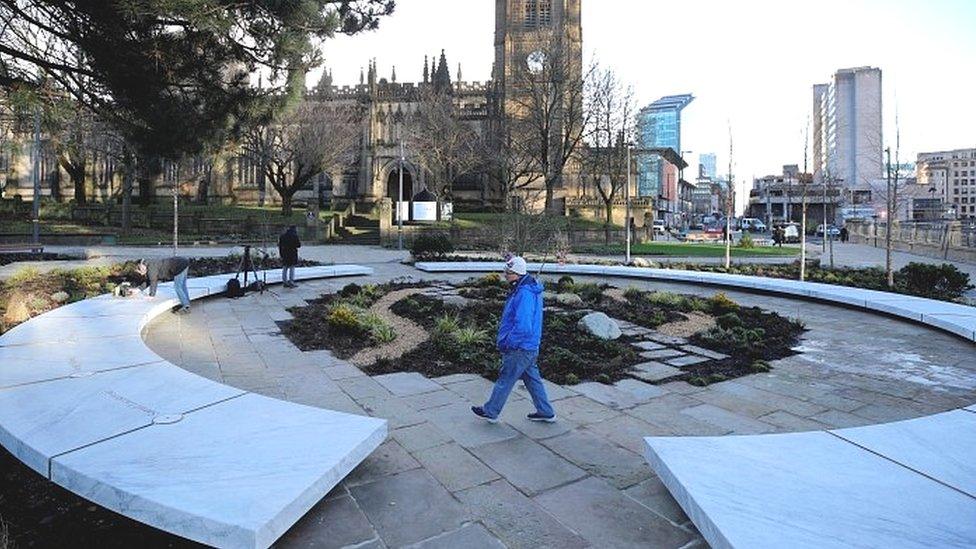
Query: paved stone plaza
pixel 446 479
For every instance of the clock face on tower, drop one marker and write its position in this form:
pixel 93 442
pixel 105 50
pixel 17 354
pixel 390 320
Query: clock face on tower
pixel 536 61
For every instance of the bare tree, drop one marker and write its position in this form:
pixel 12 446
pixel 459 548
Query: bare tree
pixel 446 145
pixel 312 138
pixel 549 95
pixel 511 163
pixel 611 119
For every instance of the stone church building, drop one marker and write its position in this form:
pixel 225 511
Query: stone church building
pixel 522 30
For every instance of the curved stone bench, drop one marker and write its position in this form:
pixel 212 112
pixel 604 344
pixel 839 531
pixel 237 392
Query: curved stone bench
pixel 85 403
pixel 951 317
pixel 906 484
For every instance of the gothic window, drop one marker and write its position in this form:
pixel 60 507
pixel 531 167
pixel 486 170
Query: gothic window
pixel 538 14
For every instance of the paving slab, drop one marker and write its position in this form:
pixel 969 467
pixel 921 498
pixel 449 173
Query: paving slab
pixel 419 437
pixel 703 352
pixel 729 421
pixel 388 459
pixel 661 354
pixel 455 467
pixel 687 360
pixel 599 457
pixel 361 388
pixel 408 507
pixel 654 371
pixel 627 431
pixel 392 409
pixel 465 428
pixel 553 390
pixel 939 446
pixel 469 536
pixel 648 345
pixel 205 478
pixel 42 420
pixel 608 395
pixel 640 390
pixel 791 423
pixel 406 383
pixel 607 518
pixel 851 497
pixel 527 465
pixel 517 520
pixel 583 411
pixel 333 522
pixel 433 399
pixel 653 494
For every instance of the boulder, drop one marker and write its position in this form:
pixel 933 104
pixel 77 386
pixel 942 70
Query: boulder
pixel 16 310
pixel 60 297
pixel 569 300
pixel 599 325
pixel 643 262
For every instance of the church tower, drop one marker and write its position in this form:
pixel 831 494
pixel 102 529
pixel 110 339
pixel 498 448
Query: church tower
pixel 526 32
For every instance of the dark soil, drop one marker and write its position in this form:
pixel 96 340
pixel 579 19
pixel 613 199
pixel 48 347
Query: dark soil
pixel 311 330
pixel 8 258
pixel 39 513
pixel 566 355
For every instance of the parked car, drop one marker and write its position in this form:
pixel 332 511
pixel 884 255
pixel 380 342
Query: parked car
pixel 659 226
pixel 753 224
pixel 831 230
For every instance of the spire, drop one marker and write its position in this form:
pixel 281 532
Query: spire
pixel 325 82
pixel 362 78
pixel 459 73
pixel 426 71
pixel 442 77
pixel 371 75
pixel 393 76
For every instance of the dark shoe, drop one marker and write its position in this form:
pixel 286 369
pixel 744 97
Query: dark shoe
pixel 480 412
pixel 535 416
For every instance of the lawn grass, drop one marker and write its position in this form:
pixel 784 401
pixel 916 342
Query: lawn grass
pixel 684 249
pixel 481 219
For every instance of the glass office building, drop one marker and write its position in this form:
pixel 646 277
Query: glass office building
pixel 659 126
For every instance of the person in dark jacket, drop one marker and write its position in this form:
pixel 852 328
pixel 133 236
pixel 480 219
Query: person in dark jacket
pixel 288 245
pixel 174 268
pixel 519 336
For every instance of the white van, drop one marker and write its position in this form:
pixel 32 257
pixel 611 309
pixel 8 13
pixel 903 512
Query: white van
pixel 753 224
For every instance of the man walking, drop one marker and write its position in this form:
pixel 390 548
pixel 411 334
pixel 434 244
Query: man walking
pixel 174 268
pixel 288 245
pixel 519 336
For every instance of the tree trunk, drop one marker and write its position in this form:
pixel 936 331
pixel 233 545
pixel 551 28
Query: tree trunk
pixel 608 222
pixel 286 204
pixel 128 176
pixel 78 181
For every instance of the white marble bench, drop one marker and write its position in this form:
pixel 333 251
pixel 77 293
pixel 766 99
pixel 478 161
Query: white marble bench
pixel 908 484
pixel 84 402
pixel 951 317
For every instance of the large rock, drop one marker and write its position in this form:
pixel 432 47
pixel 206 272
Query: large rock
pixel 569 300
pixel 599 325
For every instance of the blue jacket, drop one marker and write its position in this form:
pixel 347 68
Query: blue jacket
pixel 521 324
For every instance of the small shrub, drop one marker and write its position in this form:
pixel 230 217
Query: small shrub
pixel 698 381
pixel 382 333
pixel 446 325
pixel 760 366
pixel 468 337
pixel 602 378
pixel 23 276
pixel 716 378
pixel 943 281
pixel 746 241
pixel 589 292
pixel 565 283
pixel 345 318
pixel 572 379
pixel 431 246
pixel 490 280
pixel 632 293
pixel 728 321
pixel 721 304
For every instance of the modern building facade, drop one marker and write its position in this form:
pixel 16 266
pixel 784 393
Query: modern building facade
pixel 707 166
pixel 950 181
pixel 847 130
pixel 659 127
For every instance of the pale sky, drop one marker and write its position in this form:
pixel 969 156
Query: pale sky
pixel 749 63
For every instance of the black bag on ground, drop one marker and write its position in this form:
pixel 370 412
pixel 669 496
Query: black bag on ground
pixel 234 288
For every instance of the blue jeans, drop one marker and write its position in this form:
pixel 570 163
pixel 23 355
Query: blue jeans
pixel 288 274
pixel 517 365
pixel 179 286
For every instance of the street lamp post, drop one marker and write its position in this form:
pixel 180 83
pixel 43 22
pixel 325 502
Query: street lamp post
pixel 399 205
pixel 627 206
pixel 36 212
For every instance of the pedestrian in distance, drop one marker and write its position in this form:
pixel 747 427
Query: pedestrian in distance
pixel 173 268
pixel 844 235
pixel 288 244
pixel 519 337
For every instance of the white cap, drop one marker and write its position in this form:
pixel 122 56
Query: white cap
pixel 517 265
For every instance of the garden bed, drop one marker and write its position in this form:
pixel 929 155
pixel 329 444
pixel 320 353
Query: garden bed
pixel 8 258
pixel 461 322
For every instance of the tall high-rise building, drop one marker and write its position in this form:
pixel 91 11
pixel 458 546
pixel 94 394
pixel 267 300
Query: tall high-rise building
pixel 847 131
pixel 658 126
pixel 707 165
